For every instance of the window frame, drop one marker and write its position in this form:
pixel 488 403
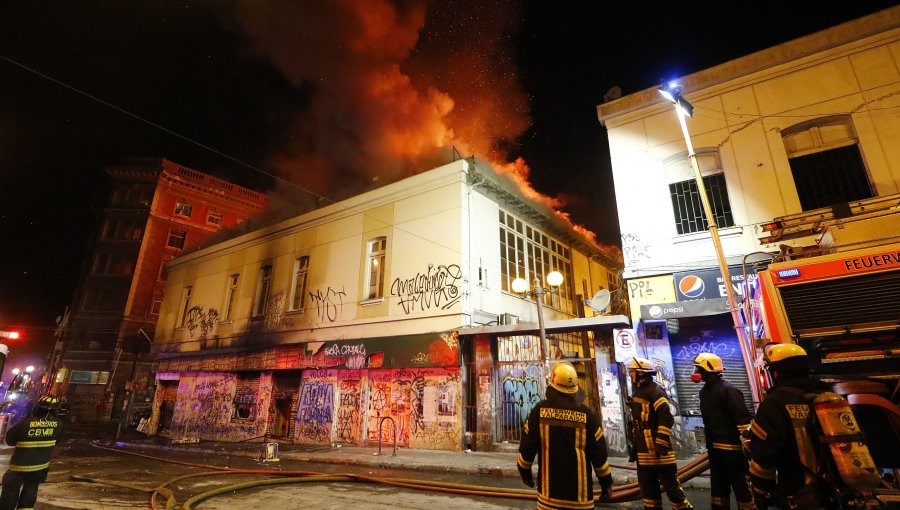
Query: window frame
pixel 231 289
pixel 186 296
pixel 173 235
pixel 263 288
pixel 214 214
pixel 183 209
pixel 376 254
pixel 301 268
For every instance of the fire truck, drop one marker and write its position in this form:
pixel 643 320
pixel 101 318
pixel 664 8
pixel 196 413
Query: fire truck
pixel 844 309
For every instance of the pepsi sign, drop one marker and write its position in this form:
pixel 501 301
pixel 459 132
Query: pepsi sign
pixel 708 284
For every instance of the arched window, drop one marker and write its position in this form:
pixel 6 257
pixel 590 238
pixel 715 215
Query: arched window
pixel 826 163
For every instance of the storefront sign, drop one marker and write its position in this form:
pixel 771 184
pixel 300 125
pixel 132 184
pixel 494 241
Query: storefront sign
pixel 411 351
pixel 88 377
pixel 625 342
pixel 707 283
pixel 683 309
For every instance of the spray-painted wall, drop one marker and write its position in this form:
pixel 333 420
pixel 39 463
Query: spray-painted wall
pixel 222 406
pixel 347 406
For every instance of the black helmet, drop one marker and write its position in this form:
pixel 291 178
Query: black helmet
pixel 47 404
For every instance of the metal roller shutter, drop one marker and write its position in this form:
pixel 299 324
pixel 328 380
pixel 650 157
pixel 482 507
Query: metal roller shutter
pixel 843 302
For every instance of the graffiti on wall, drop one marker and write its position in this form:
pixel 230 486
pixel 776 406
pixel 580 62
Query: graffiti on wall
pixel 437 287
pixel 443 351
pixel 205 406
pixel 275 312
pixel 349 418
pixel 634 250
pixel 353 356
pixel 329 303
pixel 520 391
pixel 314 412
pixel 200 323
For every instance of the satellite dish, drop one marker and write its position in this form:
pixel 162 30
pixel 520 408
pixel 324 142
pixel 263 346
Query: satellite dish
pixel 600 302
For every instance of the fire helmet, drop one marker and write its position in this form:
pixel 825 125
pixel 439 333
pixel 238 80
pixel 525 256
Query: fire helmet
pixel 564 378
pixel 642 365
pixel 46 404
pixel 709 362
pixel 785 357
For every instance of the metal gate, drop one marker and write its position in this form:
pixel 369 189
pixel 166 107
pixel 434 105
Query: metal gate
pixel 520 375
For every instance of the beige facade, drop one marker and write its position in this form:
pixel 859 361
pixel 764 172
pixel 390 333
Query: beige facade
pixel 316 328
pixel 798 148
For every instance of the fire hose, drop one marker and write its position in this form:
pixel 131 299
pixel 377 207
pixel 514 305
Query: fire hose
pixel 619 494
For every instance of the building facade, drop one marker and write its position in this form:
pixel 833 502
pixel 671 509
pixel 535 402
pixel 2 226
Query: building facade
pixel 390 313
pixel 797 147
pixel 156 210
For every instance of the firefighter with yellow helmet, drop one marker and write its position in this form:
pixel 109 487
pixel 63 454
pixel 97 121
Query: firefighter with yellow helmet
pixel 725 419
pixel 783 438
pixel 652 427
pixel 567 437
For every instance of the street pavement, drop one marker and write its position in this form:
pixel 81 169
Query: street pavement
pixel 495 463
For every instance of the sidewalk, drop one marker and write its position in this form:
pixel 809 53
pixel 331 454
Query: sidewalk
pixel 437 461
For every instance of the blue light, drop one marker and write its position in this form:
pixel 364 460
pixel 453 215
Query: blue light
pixel 788 273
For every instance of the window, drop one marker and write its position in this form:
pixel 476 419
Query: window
pixel 230 294
pixel 185 305
pixel 262 291
pixel 123 229
pixel 214 218
pixel 528 253
pixel 686 204
pixel 176 239
pixel 298 287
pixel 375 268
pixel 164 268
pixel 826 163
pixel 155 307
pixel 182 209
pixel 114 263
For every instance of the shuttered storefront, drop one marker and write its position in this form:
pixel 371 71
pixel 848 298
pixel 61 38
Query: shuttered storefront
pixel 691 336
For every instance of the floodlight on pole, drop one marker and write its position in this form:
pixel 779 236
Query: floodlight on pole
pixel 683 109
pixel 520 286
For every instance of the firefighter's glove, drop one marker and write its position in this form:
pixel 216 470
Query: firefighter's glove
pixel 762 497
pixel 606 483
pixel 527 477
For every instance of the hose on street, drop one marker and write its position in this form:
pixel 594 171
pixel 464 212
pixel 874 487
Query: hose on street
pixel 620 493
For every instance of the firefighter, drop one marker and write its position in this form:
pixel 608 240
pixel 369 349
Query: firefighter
pixel 34 438
pixel 567 437
pixel 784 465
pixel 725 419
pixel 652 426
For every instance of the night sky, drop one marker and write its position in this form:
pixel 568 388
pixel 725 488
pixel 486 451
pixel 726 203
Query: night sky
pixel 334 97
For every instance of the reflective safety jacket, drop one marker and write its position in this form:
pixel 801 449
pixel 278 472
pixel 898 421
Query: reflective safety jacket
pixel 783 439
pixel 34 439
pixel 568 440
pixel 652 425
pixel 725 414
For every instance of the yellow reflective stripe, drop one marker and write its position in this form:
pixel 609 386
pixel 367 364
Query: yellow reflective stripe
pixel 553 503
pixel 35 444
pixel 761 472
pixel 524 464
pixel 28 469
pixel 648 440
pixel 603 470
pixel 758 431
pixel 599 434
pixel 652 503
pixel 650 459
pixel 743 428
pixel 580 437
pixel 545 459
pixel 727 446
pixel 526 427
pixel 719 501
pixel 661 429
pixel 683 505
pixel 659 403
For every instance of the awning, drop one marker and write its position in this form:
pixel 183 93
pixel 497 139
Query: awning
pixel 559 326
pixel 683 309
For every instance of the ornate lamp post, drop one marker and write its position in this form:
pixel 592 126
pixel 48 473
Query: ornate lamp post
pixel 520 286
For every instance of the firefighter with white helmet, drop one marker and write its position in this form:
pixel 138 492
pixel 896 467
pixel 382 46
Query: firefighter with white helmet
pixel 725 419
pixel 651 436
pixel 553 427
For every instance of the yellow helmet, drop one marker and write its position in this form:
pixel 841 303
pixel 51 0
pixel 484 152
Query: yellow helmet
pixel 642 365
pixel 709 362
pixel 785 357
pixel 564 378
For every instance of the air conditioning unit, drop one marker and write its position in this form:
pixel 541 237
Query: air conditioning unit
pixel 508 319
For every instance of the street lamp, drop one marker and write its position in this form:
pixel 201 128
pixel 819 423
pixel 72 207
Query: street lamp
pixel 683 109
pixel 520 286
